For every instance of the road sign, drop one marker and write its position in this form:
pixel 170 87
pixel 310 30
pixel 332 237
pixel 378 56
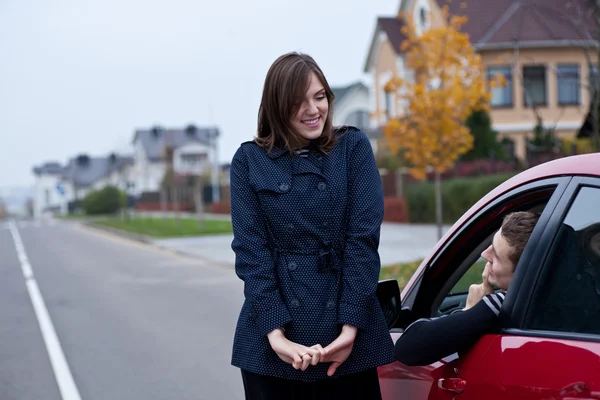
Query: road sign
pixel 60 188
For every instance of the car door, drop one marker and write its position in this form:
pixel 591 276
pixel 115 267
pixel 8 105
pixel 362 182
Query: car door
pixel 442 287
pixel 551 349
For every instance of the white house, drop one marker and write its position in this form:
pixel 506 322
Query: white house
pixel 119 173
pixel 47 195
pixel 351 107
pixel 59 189
pixel 194 149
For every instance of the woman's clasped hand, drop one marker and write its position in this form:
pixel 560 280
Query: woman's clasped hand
pixel 301 357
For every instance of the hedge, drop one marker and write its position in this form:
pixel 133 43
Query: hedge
pixel 395 210
pixel 108 200
pixel 458 195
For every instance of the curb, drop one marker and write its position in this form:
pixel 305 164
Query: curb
pixel 117 232
pixel 150 242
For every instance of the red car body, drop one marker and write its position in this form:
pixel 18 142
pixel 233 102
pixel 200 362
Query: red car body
pixel 518 362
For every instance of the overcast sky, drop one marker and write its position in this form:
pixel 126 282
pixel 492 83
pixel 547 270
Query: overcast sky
pixel 78 76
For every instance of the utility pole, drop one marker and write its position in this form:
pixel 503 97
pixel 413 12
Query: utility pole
pixel 214 137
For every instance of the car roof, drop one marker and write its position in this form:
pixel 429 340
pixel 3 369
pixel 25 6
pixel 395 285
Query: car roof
pixel 584 164
pixel 579 165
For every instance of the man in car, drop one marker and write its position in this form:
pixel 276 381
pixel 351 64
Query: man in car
pixel 428 340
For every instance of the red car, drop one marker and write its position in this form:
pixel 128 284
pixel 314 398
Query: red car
pixel 549 347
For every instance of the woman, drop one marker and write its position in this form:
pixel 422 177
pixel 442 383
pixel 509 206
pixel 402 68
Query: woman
pixel 306 207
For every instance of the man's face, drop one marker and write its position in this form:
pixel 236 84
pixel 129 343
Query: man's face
pixel 500 266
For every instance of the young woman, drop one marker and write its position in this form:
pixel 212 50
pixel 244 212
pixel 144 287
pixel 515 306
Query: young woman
pixel 306 206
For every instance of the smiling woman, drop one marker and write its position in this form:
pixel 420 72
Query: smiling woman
pixel 295 106
pixel 306 208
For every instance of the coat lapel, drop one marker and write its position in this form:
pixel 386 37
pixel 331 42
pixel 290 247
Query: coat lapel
pixel 307 165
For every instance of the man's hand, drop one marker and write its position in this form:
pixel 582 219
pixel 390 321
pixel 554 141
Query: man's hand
pixel 299 356
pixel 477 292
pixel 339 350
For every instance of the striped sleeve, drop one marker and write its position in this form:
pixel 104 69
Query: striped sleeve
pixel 494 302
pixel 428 340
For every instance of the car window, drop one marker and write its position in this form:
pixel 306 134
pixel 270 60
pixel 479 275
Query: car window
pixel 456 298
pixel 443 285
pixel 567 297
pixel 472 276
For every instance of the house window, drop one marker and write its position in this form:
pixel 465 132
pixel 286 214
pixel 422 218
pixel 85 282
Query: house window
pixel 501 96
pixel 593 78
pixel 423 17
pixel 568 84
pixel 388 105
pixel 534 82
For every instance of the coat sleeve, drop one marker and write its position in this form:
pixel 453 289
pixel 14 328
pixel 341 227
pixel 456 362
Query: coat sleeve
pixel 426 341
pixel 253 258
pixel 361 265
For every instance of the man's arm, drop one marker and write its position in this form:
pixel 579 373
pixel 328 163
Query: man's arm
pixel 426 341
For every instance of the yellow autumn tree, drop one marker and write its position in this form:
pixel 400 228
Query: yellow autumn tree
pixel 446 85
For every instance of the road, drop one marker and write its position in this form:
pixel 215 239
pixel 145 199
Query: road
pixel 124 320
pixel 399 243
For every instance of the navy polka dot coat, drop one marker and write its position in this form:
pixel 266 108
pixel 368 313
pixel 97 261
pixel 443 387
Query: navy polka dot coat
pixel 306 233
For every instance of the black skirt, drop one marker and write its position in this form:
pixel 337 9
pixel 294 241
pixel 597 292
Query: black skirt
pixel 362 385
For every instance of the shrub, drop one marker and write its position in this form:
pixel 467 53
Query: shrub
pixel 108 200
pixel 458 195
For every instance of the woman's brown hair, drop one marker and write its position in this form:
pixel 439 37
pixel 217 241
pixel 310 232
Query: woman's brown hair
pixel 283 93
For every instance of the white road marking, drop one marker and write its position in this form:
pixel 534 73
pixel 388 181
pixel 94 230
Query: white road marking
pixel 62 372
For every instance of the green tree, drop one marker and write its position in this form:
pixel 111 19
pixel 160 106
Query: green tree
pixel 485 141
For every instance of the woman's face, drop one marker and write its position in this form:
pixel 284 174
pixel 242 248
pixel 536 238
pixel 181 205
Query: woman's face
pixel 310 118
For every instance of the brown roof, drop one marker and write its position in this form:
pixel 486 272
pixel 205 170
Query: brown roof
pixel 501 23
pixel 529 22
pixel 393 29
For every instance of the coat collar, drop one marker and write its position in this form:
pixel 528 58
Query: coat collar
pixel 301 165
pixel 311 164
pixel 277 152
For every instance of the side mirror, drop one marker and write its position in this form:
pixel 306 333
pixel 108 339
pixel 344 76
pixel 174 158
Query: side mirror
pixel 388 295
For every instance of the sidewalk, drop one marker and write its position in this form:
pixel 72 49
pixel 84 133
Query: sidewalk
pixel 399 243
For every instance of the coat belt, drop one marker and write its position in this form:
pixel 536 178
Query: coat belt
pixel 330 257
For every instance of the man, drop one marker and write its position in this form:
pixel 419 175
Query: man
pixel 428 340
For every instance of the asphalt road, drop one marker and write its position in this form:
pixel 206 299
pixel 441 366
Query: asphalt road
pixel 112 319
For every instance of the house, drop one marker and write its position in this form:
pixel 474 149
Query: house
pixel 351 106
pixel 119 173
pixel 48 196
pixel 59 189
pixel 542 48
pixel 193 151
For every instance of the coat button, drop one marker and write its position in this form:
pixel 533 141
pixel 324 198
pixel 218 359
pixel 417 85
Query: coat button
pixel 330 305
pixel 284 187
pixel 322 186
pixel 292 266
pixel 294 303
pixel 290 227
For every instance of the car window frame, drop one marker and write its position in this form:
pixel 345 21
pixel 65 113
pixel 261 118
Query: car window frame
pixel 523 302
pixel 416 299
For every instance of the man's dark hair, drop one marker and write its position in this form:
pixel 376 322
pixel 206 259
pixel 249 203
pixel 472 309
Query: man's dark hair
pixel 516 229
